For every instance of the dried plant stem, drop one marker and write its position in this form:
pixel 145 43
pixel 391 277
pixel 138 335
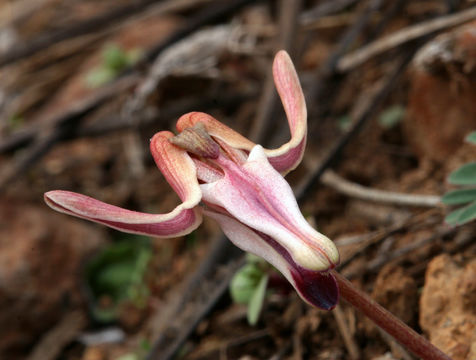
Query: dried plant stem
pixel 388 322
pixel 338 183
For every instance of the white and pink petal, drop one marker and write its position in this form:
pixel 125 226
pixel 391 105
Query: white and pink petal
pixel 315 287
pixel 259 197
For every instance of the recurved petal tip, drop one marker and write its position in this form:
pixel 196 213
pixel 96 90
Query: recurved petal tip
pixel 177 167
pixel 289 155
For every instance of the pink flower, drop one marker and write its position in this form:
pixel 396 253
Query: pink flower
pixel 221 174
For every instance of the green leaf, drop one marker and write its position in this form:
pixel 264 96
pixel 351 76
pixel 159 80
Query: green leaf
pixel 471 138
pixel 129 356
pixel 391 116
pixel 256 302
pixel 99 76
pixel 465 175
pixel 467 214
pixel 114 278
pixel 244 283
pixel 114 57
pixel 462 215
pixel 117 273
pixel 452 217
pixel 15 121
pixel 253 259
pixel 344 122
pixel 461 196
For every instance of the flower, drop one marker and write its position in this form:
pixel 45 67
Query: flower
pixel 221 174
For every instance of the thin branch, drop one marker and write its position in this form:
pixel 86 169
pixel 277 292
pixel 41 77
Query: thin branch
pixel 200 302
pixel 50 345
pixel 324 9
pixel 350 35
pixel 42 41
pixel 385 258
pixel 379 236
pixel 398 38
pixel 338 183
pixel 289 12
pixel 56 126
pixel 349 341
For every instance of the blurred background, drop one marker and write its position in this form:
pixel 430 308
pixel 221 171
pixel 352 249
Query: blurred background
pixel 391 94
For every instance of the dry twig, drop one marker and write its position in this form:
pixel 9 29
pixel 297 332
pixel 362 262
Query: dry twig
pixel 395 346
pixel 51 344
pixel 398 38
pixel 289 12
pixel 338 183
pixel 349 341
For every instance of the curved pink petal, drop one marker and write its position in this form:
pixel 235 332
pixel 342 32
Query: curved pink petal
pixel 289 155
pixel 179 170
pixel 180 221
pixel 316 288
pixel 177 167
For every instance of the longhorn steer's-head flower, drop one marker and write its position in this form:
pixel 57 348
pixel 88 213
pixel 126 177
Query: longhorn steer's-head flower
pixel 219 173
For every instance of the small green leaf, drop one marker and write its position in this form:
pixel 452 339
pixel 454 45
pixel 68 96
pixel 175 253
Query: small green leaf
pixel 117 273
pixel 244 283
pixel 461 196
pixel 391 116
pixel 452 217
pixel 145 345
pixel 129 356
pixel 256 302
pixel 471 138
pixel 15 121
pixel 115 277
pixel 467 214
pixel 114 57
pixel 344 122
pixel 99 76
pixel 465 175
pixel 253 259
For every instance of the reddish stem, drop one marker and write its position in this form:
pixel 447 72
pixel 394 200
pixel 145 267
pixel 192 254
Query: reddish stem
pixel 388 322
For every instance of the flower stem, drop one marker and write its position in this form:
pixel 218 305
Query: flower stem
pixel 388 322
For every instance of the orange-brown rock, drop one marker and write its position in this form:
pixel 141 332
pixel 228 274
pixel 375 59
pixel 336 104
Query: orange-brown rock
pixel 442 98
pixel 448 306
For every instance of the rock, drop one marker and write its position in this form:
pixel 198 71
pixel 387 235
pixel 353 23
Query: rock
pixel 41 253
pixel 448 306
pixel 441 105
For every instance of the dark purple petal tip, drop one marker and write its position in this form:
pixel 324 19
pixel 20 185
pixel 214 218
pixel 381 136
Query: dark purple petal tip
pixel 318 288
